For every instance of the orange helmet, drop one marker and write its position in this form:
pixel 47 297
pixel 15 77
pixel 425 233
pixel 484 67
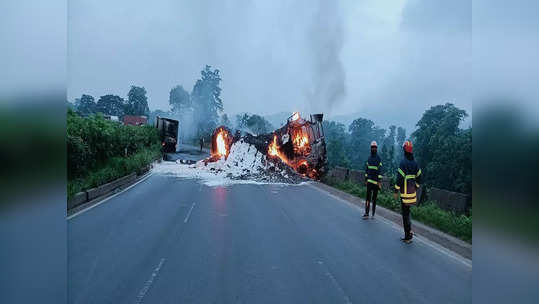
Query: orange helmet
pixel 407 146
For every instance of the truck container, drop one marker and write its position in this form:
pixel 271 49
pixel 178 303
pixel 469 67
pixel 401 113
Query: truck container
pixel 168 133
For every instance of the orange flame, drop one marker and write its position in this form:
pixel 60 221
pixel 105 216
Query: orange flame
pixel 303 163
pixel 221 145
pixel 273 148
pixel 300 141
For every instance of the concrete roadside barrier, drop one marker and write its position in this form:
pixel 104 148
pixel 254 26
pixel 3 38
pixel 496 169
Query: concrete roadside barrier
pixel 108 187
pixel 84 197
pixel 77 199
pixel 450 201
pixel 340 174
pixel 356 176
pixel 91 194
pixel 387 184
pixel 143 170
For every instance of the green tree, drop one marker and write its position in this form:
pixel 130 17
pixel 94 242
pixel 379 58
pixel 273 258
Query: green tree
pixel 401 136
pixel 388 152
pixel 253 123
pixel 137 102
pixel 206 99
pixel 225 121
pixel 258 125
pixel 362 132
pixel 179 99
pixel 443 150
pixel 111 105
pixel 85 104
pixel 241 121
pixel 336 139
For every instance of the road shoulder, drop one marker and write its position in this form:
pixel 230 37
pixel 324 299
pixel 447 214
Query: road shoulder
pixel 102 199
pixel 444 240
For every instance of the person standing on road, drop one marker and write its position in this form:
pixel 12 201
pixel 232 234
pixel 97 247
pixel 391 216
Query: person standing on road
pixel 201 141
pixel 373 179
pixel 408 181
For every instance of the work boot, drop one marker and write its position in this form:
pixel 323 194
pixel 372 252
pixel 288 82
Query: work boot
pixel 407 239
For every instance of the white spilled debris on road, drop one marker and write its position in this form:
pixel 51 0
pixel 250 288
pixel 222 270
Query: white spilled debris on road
pixel 245 164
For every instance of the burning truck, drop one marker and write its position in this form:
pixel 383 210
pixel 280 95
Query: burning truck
pixel 299 145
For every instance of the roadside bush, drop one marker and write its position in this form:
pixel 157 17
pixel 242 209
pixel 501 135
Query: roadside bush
pixel 96 150
pixel 114 168
pixel 94 141
pixel 457 225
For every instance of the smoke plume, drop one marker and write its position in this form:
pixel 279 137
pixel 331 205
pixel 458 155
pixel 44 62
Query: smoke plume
pixel 326 38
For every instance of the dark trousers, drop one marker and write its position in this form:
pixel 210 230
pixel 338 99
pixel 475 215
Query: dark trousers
pixel 372 193
pixel 405 210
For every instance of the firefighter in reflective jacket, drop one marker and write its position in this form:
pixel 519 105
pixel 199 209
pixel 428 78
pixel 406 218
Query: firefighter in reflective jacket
pixel 373 179
pixel 408 181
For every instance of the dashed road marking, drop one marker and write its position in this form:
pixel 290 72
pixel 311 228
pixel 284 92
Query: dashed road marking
pixel 335 282
pixel 189 213
pixel 149 283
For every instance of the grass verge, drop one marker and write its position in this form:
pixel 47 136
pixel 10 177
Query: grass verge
pixel 113 168
pixel 428 213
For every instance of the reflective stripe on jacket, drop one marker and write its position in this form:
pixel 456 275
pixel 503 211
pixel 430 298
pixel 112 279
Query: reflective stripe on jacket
pixel 408 181
pixel 373 169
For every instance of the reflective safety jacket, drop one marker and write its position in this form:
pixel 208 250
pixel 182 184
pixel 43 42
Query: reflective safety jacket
pixel 373 169
pixel 408 181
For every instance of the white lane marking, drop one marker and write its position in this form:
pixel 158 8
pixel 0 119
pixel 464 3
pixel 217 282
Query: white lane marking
pixel 285 215
pixel 189 213
pixel 433 245
pixel 149 283
pixel 334 281
pixel 112 196
pixel 455 256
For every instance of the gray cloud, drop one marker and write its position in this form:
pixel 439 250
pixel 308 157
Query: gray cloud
pixel 388 61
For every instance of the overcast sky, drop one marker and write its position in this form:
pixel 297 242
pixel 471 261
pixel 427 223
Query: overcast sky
pixel 385 60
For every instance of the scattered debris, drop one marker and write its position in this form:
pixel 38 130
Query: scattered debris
pixel 292 154
pixel 300 145
pixel 244 164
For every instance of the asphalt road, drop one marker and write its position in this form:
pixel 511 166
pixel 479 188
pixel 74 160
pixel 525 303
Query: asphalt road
pixel 172 240
pixel 188 152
